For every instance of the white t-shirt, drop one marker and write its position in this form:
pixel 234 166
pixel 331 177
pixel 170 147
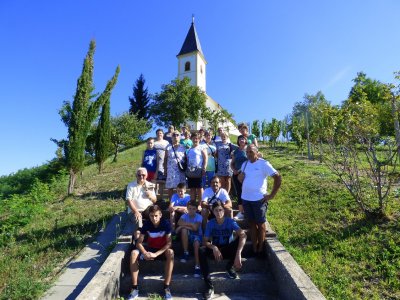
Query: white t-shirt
pixel 208 196
pixel 255 181
pixel 160 147
pixel 137 194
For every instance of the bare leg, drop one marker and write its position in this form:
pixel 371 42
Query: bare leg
pixel 172 219
pixel 254 235
pixel 169 266
pixel 134 266
pixel 199 193
pixel 185 239
pixel 196 246
pixel 204 213
pixel 261 236
pixel 241 208
pixel 228 213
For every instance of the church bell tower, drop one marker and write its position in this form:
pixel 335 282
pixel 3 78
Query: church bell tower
pixel 191 61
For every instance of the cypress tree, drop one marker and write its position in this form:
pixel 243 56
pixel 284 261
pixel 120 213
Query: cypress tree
pixel 103 137
pixel 140 102
pixel 79 117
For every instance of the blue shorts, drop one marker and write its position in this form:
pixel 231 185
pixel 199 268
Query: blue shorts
pixel 255 210
pixel 194 237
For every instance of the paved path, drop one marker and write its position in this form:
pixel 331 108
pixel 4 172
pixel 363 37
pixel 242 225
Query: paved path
pixel 81 269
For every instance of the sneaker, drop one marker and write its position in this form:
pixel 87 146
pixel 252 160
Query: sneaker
pixel 239 216
pixel 209 293
pixel 232 273
pixel 185 257
pixel 197 272
pixel 134 294
pixel 168 295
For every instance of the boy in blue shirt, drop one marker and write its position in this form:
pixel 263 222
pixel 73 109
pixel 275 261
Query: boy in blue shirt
pixel 149 160
pixel 218 242
pixel 189 225
pixel 178 204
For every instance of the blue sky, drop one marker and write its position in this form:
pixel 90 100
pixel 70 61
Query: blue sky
pixel 263 56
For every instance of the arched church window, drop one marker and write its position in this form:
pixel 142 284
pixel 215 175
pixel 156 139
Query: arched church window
pixel 187 66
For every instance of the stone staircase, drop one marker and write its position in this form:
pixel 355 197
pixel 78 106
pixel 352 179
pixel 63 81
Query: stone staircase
pixel 276 276
pixel 255 280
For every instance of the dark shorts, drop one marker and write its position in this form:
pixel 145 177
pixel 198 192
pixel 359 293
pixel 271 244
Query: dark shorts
pixel 194 183
pixel 255 210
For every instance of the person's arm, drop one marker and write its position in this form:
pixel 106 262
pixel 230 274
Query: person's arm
pixel 228 204
pixel 205 160
pixel 277 184
pixel 140 247
pixel 188 225
pixel 235 172
pixel 165 160
pixel 255 142
pixel 150 193
pixel 216 252
pixel 242 240
pixel 163 249
pixel 129 202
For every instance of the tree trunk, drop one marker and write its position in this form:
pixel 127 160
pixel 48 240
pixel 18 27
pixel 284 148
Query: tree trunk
pixel 115 154
pixel 71 184
pixel 396 124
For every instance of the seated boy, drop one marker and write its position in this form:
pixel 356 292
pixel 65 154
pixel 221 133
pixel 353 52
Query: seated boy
pixel 190 227
pixel 158 232
pixel 212 194
pixel 177 206
pixel 218 242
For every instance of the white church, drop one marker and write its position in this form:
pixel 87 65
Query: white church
pixel 192 64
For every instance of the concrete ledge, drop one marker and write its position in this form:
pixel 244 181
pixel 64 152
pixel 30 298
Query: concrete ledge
pixel 293 282
pixel 105 284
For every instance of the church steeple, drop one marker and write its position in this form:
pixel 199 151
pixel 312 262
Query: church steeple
pixel 192 42
pixel 191 61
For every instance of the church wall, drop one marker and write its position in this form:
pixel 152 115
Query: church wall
pixel 181 68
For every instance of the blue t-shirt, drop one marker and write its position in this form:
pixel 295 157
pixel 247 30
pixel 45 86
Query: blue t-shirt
pixel 150 160
pixel 177 201
pixel 156 236
pixel 196 219
pixel 221 234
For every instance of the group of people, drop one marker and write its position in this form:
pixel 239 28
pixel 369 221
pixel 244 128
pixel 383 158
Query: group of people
pixel 204 218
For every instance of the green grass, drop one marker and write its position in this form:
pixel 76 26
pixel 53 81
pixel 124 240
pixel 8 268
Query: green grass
pixel 346 256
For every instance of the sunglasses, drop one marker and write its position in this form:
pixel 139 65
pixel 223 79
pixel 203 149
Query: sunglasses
pixel 175 134
pixel 140 175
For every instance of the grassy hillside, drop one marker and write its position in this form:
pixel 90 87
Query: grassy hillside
pixel 346 256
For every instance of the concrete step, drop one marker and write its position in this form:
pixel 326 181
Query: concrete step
pixel 249 265
pixel 217 296
pixel 260 284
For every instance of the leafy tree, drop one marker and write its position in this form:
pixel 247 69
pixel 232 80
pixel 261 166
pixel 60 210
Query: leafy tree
pixel 79 116
pixel 177 103
pixel 217 118
pixel 103 136
pixel 264 129
pixel 255 128
pixel 379 95
pixel 275 130
pixel 126 131
pixel 363 162
pixel 140 102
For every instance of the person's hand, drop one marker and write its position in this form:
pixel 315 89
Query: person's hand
pixel 217 254
pixel 171 209
pixel 267 197
pixel 147 255
pixel 238 262
pixel 138 216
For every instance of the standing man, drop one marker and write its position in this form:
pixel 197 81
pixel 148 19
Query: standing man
pixel 140 195
pixel 254 194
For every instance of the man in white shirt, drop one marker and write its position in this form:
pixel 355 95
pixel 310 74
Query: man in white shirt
pixel 254 194
pixel 140 195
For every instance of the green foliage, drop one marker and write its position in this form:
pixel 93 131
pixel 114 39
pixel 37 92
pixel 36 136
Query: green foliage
pixel 217 118
pixel 177 103
pixel 255 128
pixel 103 136
pixel 140 102
pixel 127 131
pixel 346 255
pixel 79 116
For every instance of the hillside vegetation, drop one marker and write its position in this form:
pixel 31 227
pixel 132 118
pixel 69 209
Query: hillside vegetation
pixel 346 256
